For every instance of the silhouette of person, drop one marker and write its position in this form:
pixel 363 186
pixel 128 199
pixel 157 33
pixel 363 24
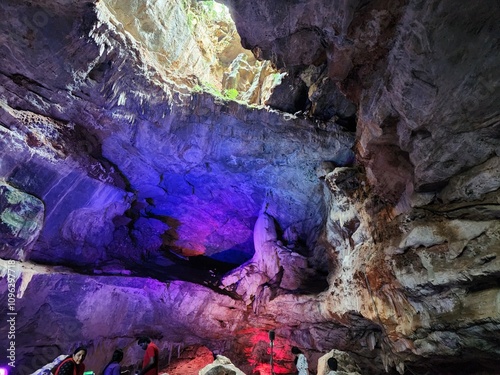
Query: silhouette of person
pixel 332 365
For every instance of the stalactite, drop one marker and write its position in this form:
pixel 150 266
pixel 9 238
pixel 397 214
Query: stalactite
pixel 171 346
pixel 170 352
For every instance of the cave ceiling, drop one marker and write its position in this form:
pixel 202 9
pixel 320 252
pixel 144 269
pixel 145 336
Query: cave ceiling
pixel 327 170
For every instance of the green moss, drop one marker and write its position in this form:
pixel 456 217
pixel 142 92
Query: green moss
pixel 228 94
pixel 208 8
pixel 12 220
pixel 231 94
pixel 203 11
pixel 197 88
pixel 277 77
pixel 14 197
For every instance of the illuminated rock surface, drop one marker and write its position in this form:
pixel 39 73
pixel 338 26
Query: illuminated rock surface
pixel 358 211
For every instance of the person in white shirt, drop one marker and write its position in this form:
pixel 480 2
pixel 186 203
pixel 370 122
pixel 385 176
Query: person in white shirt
pixel 332 365
pixel 300 361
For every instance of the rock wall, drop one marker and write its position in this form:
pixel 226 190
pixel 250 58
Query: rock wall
pixel 417 249
pixel 357 212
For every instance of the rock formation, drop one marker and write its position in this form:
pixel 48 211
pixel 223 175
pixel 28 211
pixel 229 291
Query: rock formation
pixel 348 198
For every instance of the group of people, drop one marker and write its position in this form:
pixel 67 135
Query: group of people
pixel 73 364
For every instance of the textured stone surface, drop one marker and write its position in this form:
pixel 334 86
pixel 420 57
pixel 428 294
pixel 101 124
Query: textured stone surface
pixel 189 360
pixel 345 364
pixel 408 67
pixel 221 366
pixel 204 222
pixel 21 220
pixel 162 155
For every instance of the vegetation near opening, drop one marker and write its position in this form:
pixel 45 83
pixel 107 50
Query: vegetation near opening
pixel 214 10
pixel 206 10
pixel 229 94
pixel 226 74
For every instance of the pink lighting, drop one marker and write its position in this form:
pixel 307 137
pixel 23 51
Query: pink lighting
pixel 259 353
pixel 3 371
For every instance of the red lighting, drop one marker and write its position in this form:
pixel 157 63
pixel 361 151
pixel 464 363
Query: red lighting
pixel 258 353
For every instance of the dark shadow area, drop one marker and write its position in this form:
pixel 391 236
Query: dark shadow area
pixel 314 284
pixel 170 266
pixel 232 256
pixel 461 366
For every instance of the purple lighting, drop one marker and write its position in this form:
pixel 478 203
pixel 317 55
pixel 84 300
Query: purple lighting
pixel 3 371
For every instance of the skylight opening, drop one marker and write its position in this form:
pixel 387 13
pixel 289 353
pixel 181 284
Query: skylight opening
pixel 194 44
pixel 235 73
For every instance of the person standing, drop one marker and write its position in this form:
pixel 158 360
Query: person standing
pixel 150 364
pixel 113 367
pixel 73 365
pixel 300 361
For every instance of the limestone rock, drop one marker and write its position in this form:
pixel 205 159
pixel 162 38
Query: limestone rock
pixel 189 360
pixel 21 221
pixel 221 366
pixel 290 96
pixel 346 364
pixel 381 242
